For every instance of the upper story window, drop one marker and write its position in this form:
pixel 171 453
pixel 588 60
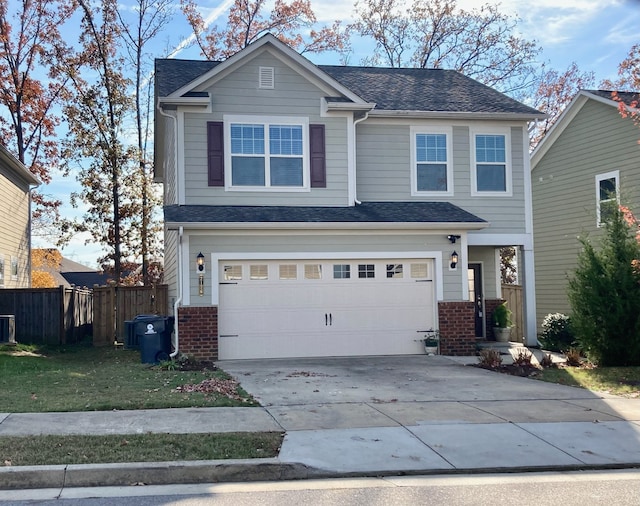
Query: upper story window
pixel 607 195
pixel 431 172
pixel 268 154
pixel 491 168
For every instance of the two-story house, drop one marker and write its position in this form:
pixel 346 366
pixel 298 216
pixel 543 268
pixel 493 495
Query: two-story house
pixel 16 183
pixel 333 211
pixel 588 160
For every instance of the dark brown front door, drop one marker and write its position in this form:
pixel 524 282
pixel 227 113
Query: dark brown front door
pixel 476 296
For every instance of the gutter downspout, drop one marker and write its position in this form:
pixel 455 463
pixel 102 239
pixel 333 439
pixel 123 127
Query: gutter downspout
pixel 355 168
pixel 175 151
pixel 176 304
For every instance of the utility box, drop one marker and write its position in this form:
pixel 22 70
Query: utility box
pixel 7 328
pixel 154 337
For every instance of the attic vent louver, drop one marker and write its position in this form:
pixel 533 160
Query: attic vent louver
pixel 266 78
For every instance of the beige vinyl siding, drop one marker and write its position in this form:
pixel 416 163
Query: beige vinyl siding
pixel 347 242
pixel 384 173
pixel 14 227
pixel 596 141
pixel 293 96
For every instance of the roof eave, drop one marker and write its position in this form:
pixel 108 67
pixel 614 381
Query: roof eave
pixel 201 225
pixel 350 106
pixel 457 115
pixel 18 167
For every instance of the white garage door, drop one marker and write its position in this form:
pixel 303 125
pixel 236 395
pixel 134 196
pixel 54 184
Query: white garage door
pixel 312 308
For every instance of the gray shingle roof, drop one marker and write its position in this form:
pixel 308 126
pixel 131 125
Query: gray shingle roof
pixel 367 212
pixel 416 89
pixel 392 89
pixel 626 96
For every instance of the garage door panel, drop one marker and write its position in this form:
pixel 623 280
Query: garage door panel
pixel 268 318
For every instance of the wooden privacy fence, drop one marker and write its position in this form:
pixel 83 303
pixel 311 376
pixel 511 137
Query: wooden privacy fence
pixel 113 305
pixel 513 295
pixel 49 315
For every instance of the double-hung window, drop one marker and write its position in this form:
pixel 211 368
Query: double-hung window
pixel 431 172
pixel 607 195
pixel 268 154
pixel 491 167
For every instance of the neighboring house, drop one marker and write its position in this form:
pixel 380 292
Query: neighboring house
pixel 70 273
pixel 326 203
pixel 16 183
pixel 589 160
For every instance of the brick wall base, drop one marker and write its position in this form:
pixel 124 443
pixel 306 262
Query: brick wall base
pixel 457 328
pixel 489 307
pixel 198 332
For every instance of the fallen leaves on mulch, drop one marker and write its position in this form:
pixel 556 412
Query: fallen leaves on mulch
pixel 226 387
pixel 524 371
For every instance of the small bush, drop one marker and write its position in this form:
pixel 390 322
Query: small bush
pixel 490 358
pixel 523 357
pixel 546 360
pixel 574 357
pixel 557 334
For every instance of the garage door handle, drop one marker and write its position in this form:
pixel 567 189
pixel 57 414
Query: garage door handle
pixel 330 319
pixel 326 320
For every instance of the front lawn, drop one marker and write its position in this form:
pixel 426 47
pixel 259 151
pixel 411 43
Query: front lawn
pixel 624 381
pixel 81 378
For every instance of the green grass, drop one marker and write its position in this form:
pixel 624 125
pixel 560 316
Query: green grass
pixel 53 450
pixel 81 378
pixel 623 381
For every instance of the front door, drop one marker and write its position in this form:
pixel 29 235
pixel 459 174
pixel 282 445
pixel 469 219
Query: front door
pixel 476 296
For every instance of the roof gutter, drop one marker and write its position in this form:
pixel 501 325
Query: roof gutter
pixel 457 115
pixel 332 226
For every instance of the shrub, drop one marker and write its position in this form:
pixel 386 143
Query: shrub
pixel 605 295
pixel 523 357
pixel 557 334
pixel 502 316
pixel 547 360
pixel 574 357
pixel 490 358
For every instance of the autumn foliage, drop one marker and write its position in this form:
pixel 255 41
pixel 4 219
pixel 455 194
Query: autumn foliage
pixel 43 261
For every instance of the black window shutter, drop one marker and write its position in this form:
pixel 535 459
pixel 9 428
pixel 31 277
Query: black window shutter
pixel 318 165
pixel 215 153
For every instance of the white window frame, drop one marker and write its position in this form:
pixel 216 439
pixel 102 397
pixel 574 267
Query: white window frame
pixel 506 132
pixel 614 174
pixel 435 130
pixel 266 121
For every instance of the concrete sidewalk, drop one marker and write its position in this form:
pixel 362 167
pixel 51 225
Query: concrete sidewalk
pixel 332 434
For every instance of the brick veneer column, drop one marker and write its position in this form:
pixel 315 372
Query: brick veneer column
pixel 489 306
pixel 457 328
pixel 198 332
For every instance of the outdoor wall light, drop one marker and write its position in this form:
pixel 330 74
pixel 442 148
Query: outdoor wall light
pixel 453 238
pixel 200 268
pixel 454 260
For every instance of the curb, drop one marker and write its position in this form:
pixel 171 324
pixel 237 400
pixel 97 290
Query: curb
pixel 150 473
pixel 227 471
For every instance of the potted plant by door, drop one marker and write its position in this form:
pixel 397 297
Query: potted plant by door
pixel 431 342
pixel 502 323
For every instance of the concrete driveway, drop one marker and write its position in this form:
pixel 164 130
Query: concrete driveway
pixel 411 378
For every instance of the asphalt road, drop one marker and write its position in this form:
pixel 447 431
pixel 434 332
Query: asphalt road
pixel 620 488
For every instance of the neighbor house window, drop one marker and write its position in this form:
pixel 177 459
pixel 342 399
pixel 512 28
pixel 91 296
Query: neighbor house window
pixel 607 195
pixel 14 268
pixel 431 167
pixel 268 154
pixel 491 168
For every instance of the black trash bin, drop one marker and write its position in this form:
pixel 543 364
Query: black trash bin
pixel 132 340
pixel 154 338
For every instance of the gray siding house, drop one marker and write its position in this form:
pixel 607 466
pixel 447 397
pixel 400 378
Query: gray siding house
pixel 16 183
pixel 335 211
pixel 590 156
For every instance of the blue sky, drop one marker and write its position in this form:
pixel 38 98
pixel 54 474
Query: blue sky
pixel 596 34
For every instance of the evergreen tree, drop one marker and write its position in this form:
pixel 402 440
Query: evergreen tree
pixel 604 294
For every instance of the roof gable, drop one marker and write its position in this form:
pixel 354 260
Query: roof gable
pixel 570 112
